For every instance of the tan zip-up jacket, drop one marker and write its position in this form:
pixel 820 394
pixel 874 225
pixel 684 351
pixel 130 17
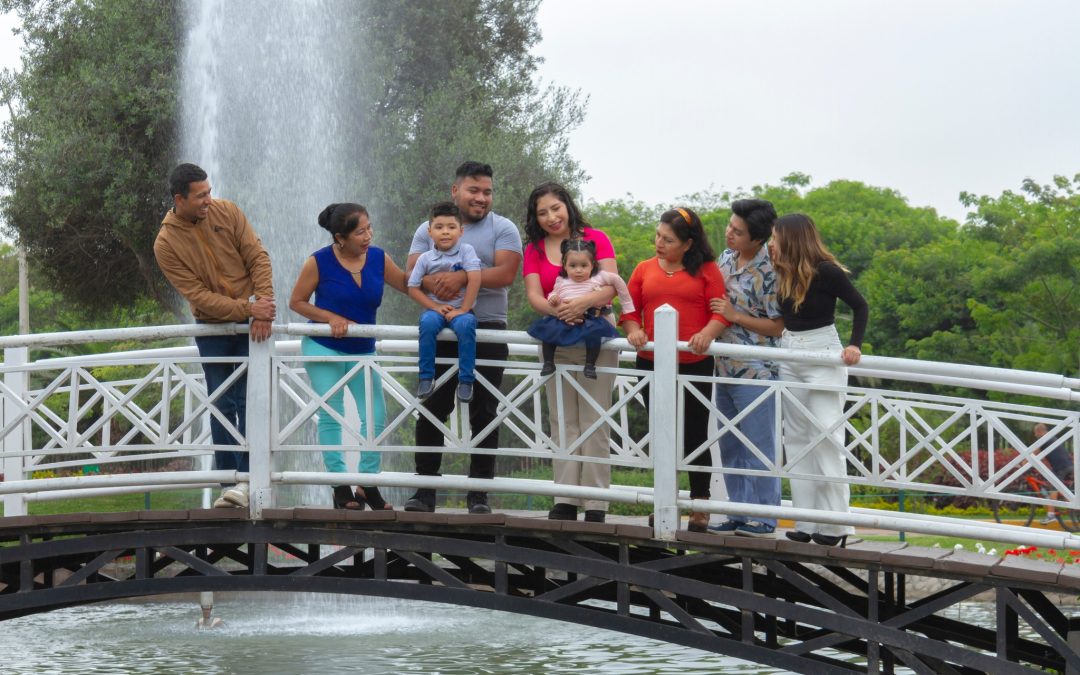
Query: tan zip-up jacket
pixel 216 263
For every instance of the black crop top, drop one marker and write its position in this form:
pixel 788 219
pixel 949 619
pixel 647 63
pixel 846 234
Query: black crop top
pixel 819 308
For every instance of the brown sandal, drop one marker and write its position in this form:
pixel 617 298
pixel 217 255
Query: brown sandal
pixel 373 498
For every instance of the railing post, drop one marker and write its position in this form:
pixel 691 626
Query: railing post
pixel 664 420
pixel 17 440
pixel 259 402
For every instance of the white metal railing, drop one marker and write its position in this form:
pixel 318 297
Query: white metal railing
pixel 151 406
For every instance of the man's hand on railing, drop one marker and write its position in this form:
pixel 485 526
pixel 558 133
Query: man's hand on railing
pixel 260 329
pixel 264 309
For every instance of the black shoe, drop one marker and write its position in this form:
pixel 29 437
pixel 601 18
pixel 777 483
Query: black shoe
pixel 425 389
pixel 594 516
pixel 464 392
pixel 563 512
pixel 373 498
pixel 589 371
pixel 795 535
pixel 547 369
pixel 422 502
pixel 829 539
pixel 477 502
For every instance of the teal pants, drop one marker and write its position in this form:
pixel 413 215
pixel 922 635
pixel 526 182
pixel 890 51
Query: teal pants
pixel 324 375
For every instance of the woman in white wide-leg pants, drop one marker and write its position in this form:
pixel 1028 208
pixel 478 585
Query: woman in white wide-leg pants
pixel 809 282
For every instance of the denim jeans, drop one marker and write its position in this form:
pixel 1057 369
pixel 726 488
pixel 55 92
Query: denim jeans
pixel 464 326
pixel 232 403
pixel 758 427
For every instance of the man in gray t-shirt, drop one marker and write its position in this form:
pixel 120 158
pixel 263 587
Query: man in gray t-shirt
pixel 498 243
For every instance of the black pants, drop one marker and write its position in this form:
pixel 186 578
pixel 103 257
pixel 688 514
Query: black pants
pixel 481 411
pixel 696 418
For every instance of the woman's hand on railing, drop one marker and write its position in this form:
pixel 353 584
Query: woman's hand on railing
pixel 637 338
pixel 851 355
pixel 699 343
pixel 339 326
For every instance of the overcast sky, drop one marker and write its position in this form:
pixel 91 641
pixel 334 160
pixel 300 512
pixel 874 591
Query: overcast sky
pixel 930 98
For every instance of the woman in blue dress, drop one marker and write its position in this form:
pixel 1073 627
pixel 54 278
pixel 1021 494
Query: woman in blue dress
pixel 347 279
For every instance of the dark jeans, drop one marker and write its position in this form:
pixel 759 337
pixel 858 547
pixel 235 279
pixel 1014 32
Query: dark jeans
pixel 481 411
pixel 695 421
pixel 232 403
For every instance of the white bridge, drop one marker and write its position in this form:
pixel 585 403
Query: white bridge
pixel 149 408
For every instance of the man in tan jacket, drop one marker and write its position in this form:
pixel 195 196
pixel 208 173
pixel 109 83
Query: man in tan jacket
pixel 207 249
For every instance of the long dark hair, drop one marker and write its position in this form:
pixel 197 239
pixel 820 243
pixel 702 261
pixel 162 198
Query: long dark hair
pixel 575 221
pixel 579 245
pixel 687 227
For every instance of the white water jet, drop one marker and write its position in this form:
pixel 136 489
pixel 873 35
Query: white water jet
pixel 266 111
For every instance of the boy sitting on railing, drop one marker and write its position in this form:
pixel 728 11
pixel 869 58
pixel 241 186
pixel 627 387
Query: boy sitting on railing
pixel 448 255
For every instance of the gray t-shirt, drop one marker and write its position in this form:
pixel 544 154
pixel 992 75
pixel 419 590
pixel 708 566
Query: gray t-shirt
pixel 493 233
pixel 460 258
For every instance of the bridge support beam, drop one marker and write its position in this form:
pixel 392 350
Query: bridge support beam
pixel 261 420
pixel 665 423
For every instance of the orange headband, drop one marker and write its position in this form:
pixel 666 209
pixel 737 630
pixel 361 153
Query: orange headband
pixel 685 215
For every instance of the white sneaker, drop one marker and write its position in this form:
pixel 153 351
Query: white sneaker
pixel 236 496
pixel 1050 518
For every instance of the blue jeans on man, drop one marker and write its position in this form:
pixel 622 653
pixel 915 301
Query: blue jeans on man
pixel 758 427
pixel 232 403
pixel 464 326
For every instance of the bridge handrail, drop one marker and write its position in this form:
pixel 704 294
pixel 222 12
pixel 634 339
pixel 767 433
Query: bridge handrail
pixel 401 340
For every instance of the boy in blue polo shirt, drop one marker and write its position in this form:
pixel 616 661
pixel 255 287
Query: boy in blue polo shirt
pixel 448 255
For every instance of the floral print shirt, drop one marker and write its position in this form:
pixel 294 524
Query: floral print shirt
pixel 752 289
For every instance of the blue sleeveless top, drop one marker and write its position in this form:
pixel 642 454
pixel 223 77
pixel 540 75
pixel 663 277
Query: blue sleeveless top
pixel 337 292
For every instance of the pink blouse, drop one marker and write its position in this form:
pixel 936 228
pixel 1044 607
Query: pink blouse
pixel 536 262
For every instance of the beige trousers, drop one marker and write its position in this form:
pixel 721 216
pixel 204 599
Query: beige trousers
pixel 577 415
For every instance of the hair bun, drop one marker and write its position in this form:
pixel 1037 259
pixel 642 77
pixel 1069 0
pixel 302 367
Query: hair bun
pixel 325 216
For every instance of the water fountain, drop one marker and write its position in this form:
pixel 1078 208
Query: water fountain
pixel 267 111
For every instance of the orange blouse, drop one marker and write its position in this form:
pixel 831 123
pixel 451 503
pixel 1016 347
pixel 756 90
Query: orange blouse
pixel 651 287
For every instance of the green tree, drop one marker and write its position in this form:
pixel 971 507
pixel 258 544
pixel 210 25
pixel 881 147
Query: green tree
pixel 92 134
pixel 446 82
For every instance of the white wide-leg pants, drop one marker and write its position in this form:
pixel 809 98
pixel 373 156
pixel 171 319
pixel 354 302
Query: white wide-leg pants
pixel 826 407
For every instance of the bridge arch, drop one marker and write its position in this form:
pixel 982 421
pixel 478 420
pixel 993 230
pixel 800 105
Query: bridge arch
pixel 772 602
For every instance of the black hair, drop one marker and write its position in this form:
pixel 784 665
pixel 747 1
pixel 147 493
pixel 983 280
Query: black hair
pixel 445 209
pixel 576 223
pixel 472 169
pixel 759 216
pixel 579 245
pixel 181 178
pixel 687 227
pixel 341 219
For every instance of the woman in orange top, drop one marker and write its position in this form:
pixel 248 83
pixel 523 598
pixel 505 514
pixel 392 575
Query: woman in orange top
pixel 682 275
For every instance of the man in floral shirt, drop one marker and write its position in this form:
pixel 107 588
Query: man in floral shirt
pixel 752 308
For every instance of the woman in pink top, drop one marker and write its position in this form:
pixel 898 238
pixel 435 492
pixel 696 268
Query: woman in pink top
pixel 553 218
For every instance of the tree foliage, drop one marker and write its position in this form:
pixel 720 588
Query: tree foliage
pixel 92 135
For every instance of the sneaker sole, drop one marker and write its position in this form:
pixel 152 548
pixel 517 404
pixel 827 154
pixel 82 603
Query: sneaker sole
pixel 759 535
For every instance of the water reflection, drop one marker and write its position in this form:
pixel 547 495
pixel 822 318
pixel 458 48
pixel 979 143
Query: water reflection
pixel 285 633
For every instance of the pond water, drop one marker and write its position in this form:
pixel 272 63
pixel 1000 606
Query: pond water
pixel 268 633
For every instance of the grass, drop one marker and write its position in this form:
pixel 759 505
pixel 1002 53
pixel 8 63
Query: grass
pixel 158 501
